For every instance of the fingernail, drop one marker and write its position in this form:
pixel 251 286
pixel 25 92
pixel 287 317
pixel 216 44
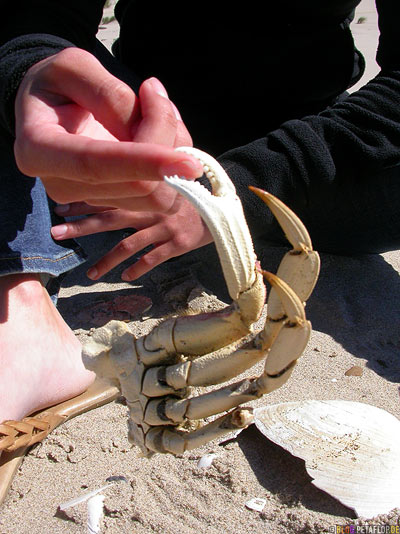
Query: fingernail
pixel 185 168
pixel 59 231
pixel 62 208
pixel 125 277
pixel 92 273
pixel 176 111
pixel 158 87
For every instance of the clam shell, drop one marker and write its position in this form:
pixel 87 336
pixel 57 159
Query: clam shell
pixel 351 449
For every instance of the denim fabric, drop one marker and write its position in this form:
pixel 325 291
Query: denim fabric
pixel 26 216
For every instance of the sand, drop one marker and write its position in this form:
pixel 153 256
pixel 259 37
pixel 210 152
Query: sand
pixel 355 315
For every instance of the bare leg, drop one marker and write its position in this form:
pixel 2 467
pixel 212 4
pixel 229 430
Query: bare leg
pixel 40 358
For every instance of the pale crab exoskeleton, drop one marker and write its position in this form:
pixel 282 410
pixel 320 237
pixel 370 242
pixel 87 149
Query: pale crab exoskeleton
pixel 155 371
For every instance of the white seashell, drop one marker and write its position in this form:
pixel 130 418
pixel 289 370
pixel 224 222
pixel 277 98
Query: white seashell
pixel 206 461
pixel 256 504
pixel 82 498
pixel 351 450
pixel 95 509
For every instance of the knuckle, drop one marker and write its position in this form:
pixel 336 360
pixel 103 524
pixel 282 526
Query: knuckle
pixel 60 197
pixel 67 58
pixel 150 260
pixel 23 164
pixel 86 167
pixel 108 217
pixel 144 188
pixel 125 248
pixel 181 241
pixel 121 93
pixel 64 197
pixel 77 227
pixel 59 191
pixel 162 201
pixel 69 54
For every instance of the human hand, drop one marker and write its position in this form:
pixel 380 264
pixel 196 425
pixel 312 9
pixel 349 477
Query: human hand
pixel 170 234
pixel 75 124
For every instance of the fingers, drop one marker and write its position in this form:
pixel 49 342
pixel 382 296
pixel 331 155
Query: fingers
pixel 70 114
pixel 182 137
pixel 160 200
pixel 168 240
pixel 79 208
pixel 77 76
pixel 81 159
pixel 107 220
pixel 170 235
pixel 102 222
pixel 150 260
pixel 133 196
pixel 127 248
pixel 161 120
pixel 115 220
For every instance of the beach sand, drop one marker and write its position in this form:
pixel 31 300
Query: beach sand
pixel 355 315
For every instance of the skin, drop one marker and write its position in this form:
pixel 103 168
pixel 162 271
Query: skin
pixel 86 134
pixel 169 233
pixel 40 357
pixel 104 151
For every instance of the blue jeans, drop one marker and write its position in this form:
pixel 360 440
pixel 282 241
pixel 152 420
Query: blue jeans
pixel 26 216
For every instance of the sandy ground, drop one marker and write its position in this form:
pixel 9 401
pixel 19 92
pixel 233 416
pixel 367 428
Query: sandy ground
pixel 355 315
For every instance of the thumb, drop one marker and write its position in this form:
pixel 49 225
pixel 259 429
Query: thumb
pixel 76 75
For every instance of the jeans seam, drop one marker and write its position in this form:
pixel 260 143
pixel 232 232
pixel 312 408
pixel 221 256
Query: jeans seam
pixel 39 258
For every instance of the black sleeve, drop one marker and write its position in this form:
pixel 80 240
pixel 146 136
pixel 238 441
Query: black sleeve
pixel 76 22
pixel 31 30
pixel 339 170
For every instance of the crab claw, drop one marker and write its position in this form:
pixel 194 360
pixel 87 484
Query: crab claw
pixel 223 214
pixel 300 266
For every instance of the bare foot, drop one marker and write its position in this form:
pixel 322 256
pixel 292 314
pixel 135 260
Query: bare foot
pixel 40 358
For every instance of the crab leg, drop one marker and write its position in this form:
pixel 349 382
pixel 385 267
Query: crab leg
pixel 205 332
pixel 281 354
pixel 164 440
pixel 300 266
pixel 223 213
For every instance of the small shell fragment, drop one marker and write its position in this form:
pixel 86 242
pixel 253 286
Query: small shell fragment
pixel 82 498
pixel 256 504
pixel 351 449
pixel 95 509
pixel 206 461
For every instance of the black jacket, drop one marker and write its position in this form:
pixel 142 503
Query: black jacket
pixel 260 89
